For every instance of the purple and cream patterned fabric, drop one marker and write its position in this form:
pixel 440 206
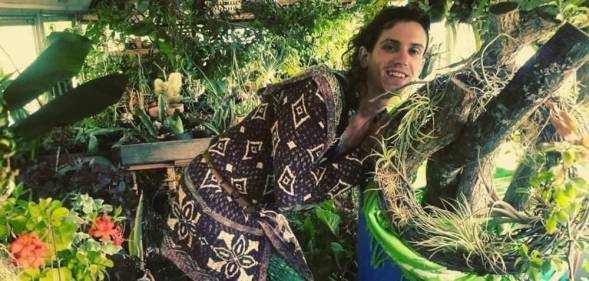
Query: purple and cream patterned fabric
pixel 275 158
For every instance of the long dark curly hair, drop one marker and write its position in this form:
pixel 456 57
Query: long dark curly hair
pixel 368 35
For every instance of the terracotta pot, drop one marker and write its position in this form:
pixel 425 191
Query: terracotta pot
pixel 173 107
pixel 153 110
pixel 138 43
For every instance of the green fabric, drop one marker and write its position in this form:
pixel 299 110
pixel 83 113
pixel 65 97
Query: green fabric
pixel 414 266
pixel 279 270
pixel 378 256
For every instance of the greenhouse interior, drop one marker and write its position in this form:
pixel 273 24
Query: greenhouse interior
pixel 329 140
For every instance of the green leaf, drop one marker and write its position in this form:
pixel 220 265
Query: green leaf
pixel 574 209
pixel 3 229
pixel 536 258
pixel 503 173
pixel 30 274
pixel 535 181
pixel 178 126
pixel 570 190
pixel 580 184
pixel 562 217
pixel 477 39
pixel 104 208
pixel 18 223
pixel 328 205
pixel 524 250
pixel 141 28
pixel 64 235
pixel 44 203
pixel 117 214
pixel 548 11
pixel 527 5
pixel 332 220
pixel 56 274
pixel 165 49
pixel 109 248
pixel 92 144
pixel 135 237
pixel 338 251
pixel 534 274
pixel 81 102
pixel 34 210
pixel 308 227
pixel 561 199
pixel 568 158
pixel 61 60
pixel 98 203
pixel 146 122
pixel 546 266
pixel 58 216
pixel 87 204
pixel 551 225
pixel 161 103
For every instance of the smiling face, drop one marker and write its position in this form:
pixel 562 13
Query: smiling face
pixel 396 59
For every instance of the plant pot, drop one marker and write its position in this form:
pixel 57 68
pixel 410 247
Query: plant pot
pixel 184 136
pixel 153 110
pixel 152 154
pixel 399 257
pixel 172 108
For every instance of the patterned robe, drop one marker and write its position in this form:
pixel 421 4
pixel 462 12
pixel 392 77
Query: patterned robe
pixel 277 158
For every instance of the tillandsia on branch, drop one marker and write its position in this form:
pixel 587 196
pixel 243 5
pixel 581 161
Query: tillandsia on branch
pixel 502 208
pixel 456 147
pixel 537 80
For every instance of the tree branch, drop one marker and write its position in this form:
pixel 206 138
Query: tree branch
pixel 531 86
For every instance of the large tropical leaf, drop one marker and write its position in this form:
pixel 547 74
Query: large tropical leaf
pixel 61 60
pixel 86 100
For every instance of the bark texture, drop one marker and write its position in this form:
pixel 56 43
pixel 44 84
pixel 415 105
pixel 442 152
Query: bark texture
pixel 461 155
pixel 463 165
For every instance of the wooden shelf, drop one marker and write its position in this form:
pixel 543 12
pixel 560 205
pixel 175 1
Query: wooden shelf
pixel 134 52
pixel 89 17
pixel 242 17
pixel 161 154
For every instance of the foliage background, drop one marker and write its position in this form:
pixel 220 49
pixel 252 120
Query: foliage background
pixel 223 62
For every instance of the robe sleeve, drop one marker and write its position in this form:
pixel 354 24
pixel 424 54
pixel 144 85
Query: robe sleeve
pixel 306 116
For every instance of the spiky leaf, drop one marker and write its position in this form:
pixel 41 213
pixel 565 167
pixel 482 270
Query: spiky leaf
pixel 81 102
pixel 61 60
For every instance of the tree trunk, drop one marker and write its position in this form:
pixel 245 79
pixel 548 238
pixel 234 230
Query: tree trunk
pixel 509 30
pixel 529 88
pixel 583 80
pixel 540 131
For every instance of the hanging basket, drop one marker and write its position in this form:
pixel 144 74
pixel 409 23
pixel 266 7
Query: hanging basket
pixel 414 265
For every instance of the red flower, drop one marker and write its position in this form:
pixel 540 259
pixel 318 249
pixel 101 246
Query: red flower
pixel 27 251
pixel 117 236
pixel 104 228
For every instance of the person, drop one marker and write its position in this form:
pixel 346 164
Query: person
pixel 306 142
